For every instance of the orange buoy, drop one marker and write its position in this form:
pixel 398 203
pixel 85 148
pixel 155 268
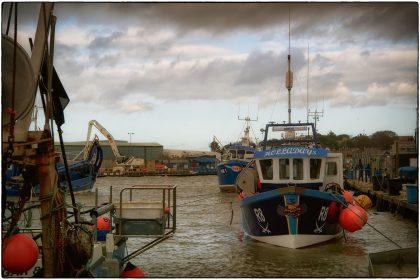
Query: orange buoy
pixel 333 211
pixel 348 197
pixel 19 253
pixel 132 271
pixel 362 213
pixel 363 201
pixel 103 223
pixel 352 218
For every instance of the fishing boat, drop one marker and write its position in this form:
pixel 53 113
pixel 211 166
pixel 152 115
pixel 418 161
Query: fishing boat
pixel 398 263
pixel 83 174
pixel 291 193
pixel 234 160
pixel 52 235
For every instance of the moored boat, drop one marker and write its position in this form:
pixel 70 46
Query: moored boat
pixel 83 174
pixel 234 160
pixel 293 196
pixel 292 191
pixel 227 171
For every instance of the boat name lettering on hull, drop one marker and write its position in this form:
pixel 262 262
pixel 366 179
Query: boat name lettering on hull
pixel 291 150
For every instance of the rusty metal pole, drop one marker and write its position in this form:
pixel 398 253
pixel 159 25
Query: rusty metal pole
pixel 48 180
pixel 45 158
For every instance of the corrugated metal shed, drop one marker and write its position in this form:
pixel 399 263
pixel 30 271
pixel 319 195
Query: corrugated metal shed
pixel 147 151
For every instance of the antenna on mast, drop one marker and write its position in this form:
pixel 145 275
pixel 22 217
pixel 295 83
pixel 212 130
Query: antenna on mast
pixel 245 138
pixel 307 90
pixel 289 76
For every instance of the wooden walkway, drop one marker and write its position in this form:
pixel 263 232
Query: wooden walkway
pixel 383 201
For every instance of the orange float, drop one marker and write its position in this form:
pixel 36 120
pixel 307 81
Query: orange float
pixel 333 211
pixel 362 213
pixel 103 223
pixel 363 201
pixel 132 271
pixel 19 253
pixel 352 218
pixel 348 197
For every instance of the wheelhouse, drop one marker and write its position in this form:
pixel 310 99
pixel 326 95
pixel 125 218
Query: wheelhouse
pixel 240 153
pixel 288 166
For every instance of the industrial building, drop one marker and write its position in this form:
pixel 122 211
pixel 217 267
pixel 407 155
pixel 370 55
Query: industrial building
pixel 147 151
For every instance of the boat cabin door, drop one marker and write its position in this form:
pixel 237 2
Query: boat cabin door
pixel 246 182
pixel 334 169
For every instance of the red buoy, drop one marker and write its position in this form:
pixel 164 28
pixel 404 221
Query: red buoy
pixel 352 218
pixel 19 253
pixel 333 211
pixel 348 197
pixel 132 271
pixel 363 213
pixel 103 223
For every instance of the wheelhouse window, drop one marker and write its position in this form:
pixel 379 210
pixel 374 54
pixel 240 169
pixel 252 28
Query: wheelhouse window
pixel 298 169
pixel 267 169
pixel 232 154
pixel 315 168
pixel 241 154
pixel 249 154
pixel 284 168
pixel 331 169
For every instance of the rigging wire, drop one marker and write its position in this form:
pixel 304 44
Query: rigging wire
pixel 239 137
pixel 9 18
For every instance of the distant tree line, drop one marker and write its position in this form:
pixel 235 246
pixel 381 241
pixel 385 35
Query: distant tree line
pixel 381 140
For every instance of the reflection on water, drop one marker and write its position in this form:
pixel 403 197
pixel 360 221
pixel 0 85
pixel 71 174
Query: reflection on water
pixel 209 241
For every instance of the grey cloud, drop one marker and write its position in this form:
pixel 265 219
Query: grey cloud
pixel 394 21
pixel 365 54
pixel 261 73
pixel 105 42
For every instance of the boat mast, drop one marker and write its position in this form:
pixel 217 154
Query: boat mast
pixel 245 139
pixel 289 77
pixel 307 91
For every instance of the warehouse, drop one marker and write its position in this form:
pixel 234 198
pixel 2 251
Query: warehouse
pixel 147 151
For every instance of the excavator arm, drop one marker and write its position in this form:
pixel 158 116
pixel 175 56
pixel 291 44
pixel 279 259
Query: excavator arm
pixel 118 157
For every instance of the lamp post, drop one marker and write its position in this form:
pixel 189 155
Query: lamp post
pixel 130 133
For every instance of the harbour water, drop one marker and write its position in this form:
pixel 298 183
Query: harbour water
pixel 209 240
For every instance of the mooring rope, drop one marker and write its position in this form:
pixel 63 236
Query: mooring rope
pixel 367 221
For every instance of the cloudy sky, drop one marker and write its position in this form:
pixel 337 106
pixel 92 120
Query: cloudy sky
pixel 180 73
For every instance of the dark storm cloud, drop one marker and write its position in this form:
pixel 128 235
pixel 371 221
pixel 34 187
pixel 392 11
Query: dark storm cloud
pixel 343 21
pixel 109 38
pixel 394 21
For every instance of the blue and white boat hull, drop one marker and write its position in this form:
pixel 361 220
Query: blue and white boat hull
pixel 292 217
pixel 228 171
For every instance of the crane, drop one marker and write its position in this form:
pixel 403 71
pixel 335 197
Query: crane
pixel 118 157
